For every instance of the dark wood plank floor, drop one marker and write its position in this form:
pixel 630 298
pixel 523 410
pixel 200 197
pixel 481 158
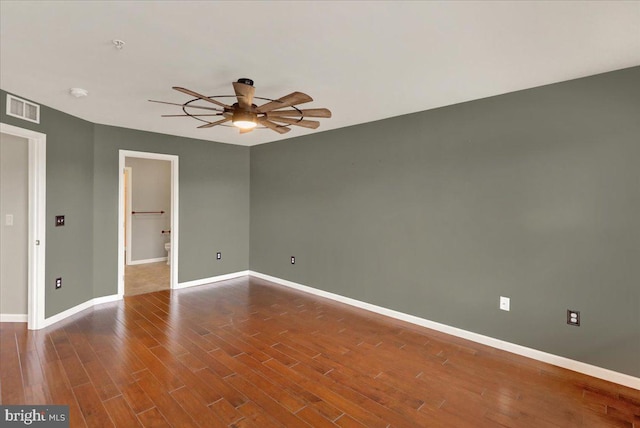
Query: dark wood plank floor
pixel 247 353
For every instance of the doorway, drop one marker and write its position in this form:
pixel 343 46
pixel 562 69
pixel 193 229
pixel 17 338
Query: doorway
pixel 14 213
pixel 148 222
pixel 36 216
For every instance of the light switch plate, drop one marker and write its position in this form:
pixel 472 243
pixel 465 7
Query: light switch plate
pixel 8 220
pixel 505 303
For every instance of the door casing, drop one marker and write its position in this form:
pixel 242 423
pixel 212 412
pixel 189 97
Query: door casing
pixel 37 222
pixel 123 154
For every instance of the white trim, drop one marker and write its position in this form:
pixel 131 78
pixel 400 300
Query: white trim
pixel 578 366
pixel 218 278
pixel 37 221
pixel 106 299
pixel 144 262
pixel 13 317
pixel 79 308
pixel 127 232
pixel 173 281
pixel 115 297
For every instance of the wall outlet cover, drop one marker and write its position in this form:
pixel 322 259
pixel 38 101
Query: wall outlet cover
pixel 58 283
pixel 505 303
pixel 293 260
pixel 573 317
pixel 218 256
pixel 59 220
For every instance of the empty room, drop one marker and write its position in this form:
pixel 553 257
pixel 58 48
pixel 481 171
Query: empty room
pixel 320 213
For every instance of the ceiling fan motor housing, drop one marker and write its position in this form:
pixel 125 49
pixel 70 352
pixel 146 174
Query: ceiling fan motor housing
pixel 245 81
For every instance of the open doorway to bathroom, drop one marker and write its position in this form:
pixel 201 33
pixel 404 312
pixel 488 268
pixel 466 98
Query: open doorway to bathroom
pixel 148 225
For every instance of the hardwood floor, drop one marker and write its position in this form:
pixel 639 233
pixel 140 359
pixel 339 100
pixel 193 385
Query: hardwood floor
pixel 248 353
pixel 146 278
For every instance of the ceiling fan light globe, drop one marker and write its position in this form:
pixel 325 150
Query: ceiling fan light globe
pixel 244 119
pixel 244 124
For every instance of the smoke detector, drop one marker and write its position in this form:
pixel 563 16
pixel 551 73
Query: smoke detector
pixel 78 92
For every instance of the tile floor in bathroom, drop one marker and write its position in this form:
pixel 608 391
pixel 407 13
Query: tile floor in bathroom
pixel 146 278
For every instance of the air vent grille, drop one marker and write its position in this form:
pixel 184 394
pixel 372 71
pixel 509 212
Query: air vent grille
pixel 17 107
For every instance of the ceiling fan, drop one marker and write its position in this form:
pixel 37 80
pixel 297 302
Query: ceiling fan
pixel 277 115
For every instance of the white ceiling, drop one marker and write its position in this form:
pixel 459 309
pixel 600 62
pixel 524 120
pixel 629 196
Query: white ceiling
pixel 364 60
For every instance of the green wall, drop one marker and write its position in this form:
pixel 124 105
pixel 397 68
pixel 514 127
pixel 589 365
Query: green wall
pixel 82 184
pixel 69 249
pixel 534 195
pixel 214 203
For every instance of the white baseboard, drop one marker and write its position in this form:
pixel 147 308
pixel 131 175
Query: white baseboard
pixel 78 308
pixel 218 278
pixel 105 299
pixel 144 262
pixel 577 366
pixel 13 317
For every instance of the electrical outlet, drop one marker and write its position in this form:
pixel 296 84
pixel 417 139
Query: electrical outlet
pixel 505 303
pixel 8 220
pixel 293 260
pixel 573 317
pixel 58 283
pixel 59 220
pixel 218 256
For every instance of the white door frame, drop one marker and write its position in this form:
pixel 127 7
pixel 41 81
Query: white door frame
pixel 174 213
pixel 37 222
pixel 127 232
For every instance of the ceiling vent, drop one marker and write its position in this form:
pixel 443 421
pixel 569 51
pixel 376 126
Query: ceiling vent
pixel 17 107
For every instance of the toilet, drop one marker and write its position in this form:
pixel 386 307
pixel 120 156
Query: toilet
pixel 167 247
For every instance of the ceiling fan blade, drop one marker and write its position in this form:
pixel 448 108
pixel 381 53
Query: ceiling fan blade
pixel 189 106
pixel 245 131
pixel 273 126
pixel 245 94
pixel 292 99
pixel 311 112
pixel 189 115
pixel 313 124
pixel 202 97
pixel 209 125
